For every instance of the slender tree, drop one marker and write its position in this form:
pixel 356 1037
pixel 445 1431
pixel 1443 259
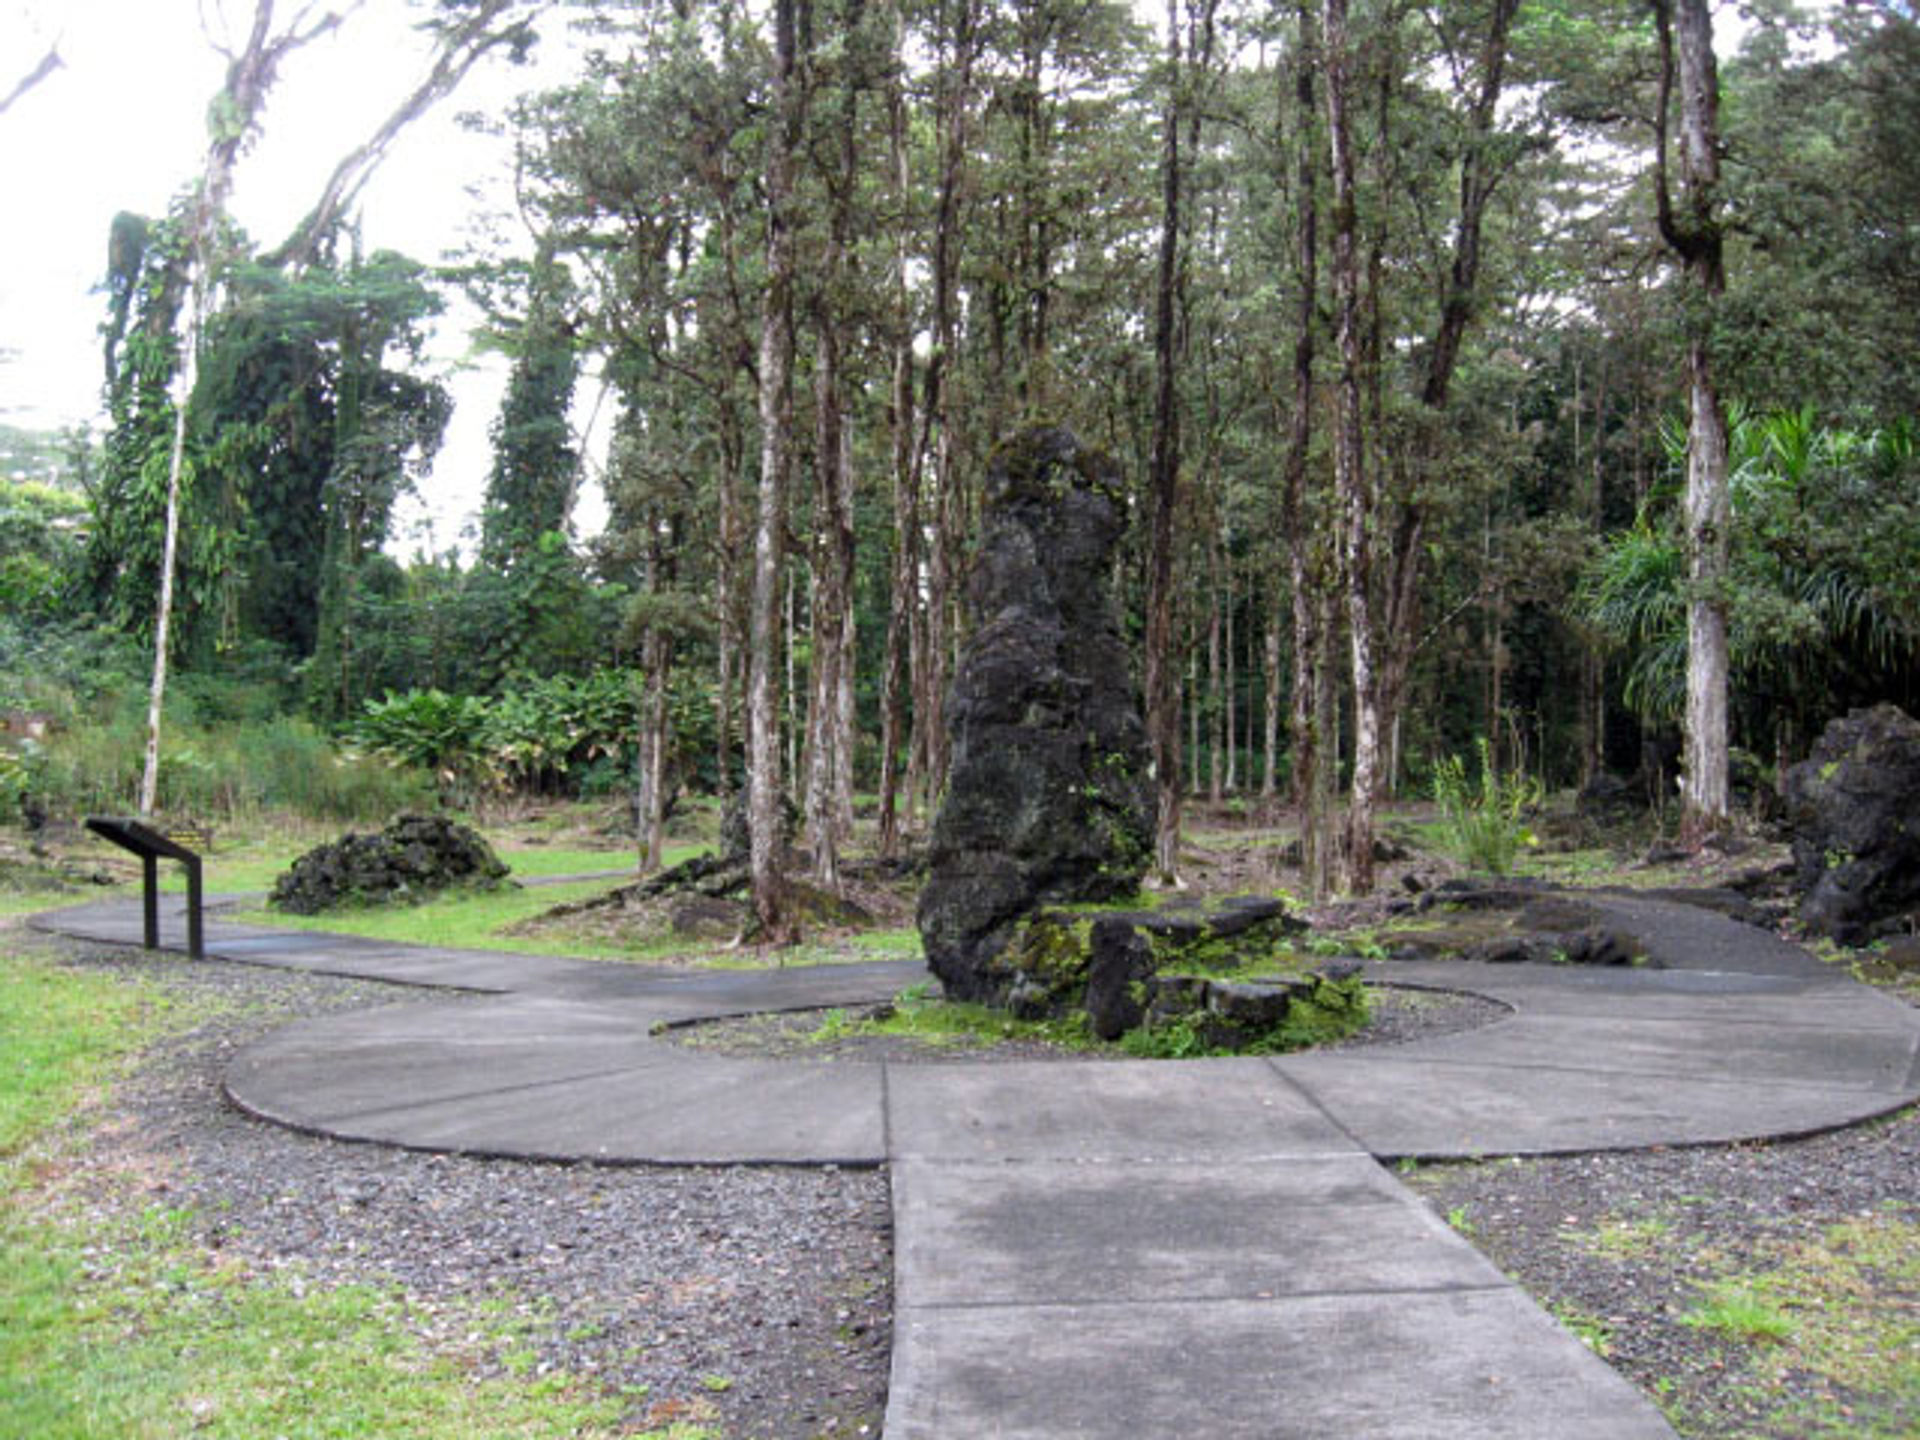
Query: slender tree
pixel 764 793
pixel 1352 488
pixel 1162 659
pixel 233 119
pixel 900 424
pixel 1693 230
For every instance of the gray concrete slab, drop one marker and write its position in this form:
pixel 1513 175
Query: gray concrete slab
pixel 1610 982
pixel 662 1110
pixel 1418 1107
pixel 1060 1232
pixel 1459 1365
pixel 318 1072
pixel 738 992
pixel 1203 1110
pixel 1869 1056
pixel 1785 1003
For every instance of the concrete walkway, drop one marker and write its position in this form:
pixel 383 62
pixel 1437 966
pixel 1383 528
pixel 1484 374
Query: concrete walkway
pixel 1129 1249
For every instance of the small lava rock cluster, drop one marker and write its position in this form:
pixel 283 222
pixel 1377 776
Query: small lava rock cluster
pixel 414 857
pixel 1130 969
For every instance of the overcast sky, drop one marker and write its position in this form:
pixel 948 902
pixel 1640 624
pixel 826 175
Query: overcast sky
pixel 120 127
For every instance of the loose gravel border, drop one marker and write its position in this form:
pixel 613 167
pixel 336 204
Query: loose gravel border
pixel 1706 1212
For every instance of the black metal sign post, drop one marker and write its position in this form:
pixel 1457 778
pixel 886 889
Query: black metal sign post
pixel 152 847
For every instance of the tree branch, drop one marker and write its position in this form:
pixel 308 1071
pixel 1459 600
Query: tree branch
pixel 463 46
pixel 49 63
pixel 1662 190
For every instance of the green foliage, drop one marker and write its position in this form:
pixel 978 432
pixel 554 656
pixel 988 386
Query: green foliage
pixel 146 288
pixel 212 768
pixel 1182 1038
pixel 16 779
pixel 1330 1011
pixel 1736 1311
pixel 426 728
pixel 1486 829
pixel 535 467
pixel 40 550
pixel 1823 607
pixel 537 735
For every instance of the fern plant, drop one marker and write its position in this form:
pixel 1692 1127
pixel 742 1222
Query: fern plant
pixel 1485 826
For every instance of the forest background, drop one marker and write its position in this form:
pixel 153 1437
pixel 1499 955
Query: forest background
pixel 1388 308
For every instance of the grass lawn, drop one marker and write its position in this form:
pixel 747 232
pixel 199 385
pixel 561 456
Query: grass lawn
pixel 252 863
pixel 465 920
pixel 119 1324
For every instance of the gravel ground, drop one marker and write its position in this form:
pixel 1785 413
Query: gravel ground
pixel 1399 1014
pixel 1624 1246
pixel 757 1299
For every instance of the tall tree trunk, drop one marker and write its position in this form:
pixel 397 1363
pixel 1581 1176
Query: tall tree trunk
pixel 1353 493
pixel 733 451
pixel 1695 235
pixel 1593 695
pixel 1484 164
pixel 938 411
pixel 906 502
pixel 1310 760
pixel 1270 739
pixel 831 753
pixel 1231 686
pixel 776 439
pixel 1162 658
pixel 1320 866
pixel 655 745
pixel 1216 692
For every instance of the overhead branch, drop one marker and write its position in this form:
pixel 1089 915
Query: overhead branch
pixel 1662 189
pixel 49 63
pixel 462 46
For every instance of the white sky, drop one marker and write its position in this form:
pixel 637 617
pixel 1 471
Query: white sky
pixel 121 128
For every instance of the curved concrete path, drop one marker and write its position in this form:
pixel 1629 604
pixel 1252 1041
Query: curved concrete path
pixel 1129 1249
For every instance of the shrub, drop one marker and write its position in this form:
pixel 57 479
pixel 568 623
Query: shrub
pixel 1484 829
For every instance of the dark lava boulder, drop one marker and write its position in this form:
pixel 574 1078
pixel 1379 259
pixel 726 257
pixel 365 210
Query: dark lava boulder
pixel 1049 800
pixel 1853 807
pixel 415 857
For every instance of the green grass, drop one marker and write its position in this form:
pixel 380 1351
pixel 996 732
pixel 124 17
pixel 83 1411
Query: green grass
pixel 1737 1311
pixel 916 1014
pixel 32 902
pixel 540 860
pixel 1589 1330
pixel 61 1032
pixel 1618 1239
pixel 118 1324
pixel 135 1332
pixel 466 920
pixel 901 944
